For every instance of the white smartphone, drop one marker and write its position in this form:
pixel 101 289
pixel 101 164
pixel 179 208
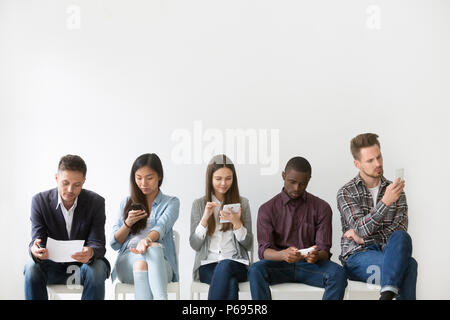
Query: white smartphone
pixel 234 208
pixel 305 251
pixel 400 173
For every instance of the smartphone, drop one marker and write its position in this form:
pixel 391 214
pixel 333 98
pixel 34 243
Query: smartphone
pixel 306 251
pixel 234 208
pixel 400 173
pixel 137 206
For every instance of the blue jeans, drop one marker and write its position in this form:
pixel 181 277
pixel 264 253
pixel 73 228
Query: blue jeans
pixel 91 276
pixel 324 274
pixel 393 268
pixel 223 279
pixel 150 284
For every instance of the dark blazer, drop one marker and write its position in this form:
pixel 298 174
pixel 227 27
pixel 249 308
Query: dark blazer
pixel 88 221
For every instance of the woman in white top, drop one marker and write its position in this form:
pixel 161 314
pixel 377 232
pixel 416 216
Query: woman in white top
pixel 221 248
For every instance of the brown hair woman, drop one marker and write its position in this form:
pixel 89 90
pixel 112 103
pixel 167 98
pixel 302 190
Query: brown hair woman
pixel 221 248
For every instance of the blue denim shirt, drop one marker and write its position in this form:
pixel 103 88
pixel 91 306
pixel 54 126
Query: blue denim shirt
pixel 165 211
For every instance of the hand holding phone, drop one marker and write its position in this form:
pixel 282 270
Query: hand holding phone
pixel 306 251
pixel 394 190
pixel 136 212
pixel 137 206
pixel 235 207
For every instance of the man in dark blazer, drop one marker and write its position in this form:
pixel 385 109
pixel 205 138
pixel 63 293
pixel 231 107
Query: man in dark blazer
pixel 68 212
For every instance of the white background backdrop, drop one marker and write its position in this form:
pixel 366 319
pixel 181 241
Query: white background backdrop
pixel 126 77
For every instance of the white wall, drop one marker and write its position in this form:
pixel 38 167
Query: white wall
pixel 131 73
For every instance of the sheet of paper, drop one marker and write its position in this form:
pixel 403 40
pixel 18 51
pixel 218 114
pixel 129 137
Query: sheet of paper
pixel 61 251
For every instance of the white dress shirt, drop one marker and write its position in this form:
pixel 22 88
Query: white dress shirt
pixel 221 246
pixel 68 214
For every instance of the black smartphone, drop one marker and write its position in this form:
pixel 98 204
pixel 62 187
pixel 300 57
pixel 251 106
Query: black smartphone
pixel 137 206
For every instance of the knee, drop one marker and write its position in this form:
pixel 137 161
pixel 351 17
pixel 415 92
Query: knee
pixel 338 275
pixel 403 236
pixel 413 265
pixel 32 272
pixel 224 266
pixel 140 265
pixel 155 251
pixel 342 277
pixel 257 270
pixel 96 271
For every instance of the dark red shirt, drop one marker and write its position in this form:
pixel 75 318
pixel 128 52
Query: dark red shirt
pixel 284 222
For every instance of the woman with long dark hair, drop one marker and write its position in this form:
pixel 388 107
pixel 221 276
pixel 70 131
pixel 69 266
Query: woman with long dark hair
pixel 143 232
pixel 221 248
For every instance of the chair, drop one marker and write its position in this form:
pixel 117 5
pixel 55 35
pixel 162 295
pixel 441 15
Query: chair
pixel 172 287
pixel 198 287
pixel 297 291
pixel 357 290
pixel 56 289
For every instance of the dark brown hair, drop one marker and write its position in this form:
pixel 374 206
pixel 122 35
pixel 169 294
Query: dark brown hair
pixel 72 163
pixel 363 140
pixel 152 161
pixel 232 195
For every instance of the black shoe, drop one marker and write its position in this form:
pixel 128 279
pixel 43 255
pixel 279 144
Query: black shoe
pixel 387 295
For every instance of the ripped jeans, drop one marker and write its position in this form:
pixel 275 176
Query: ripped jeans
pixel 151 283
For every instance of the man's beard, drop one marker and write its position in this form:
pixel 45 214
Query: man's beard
pixel 375 175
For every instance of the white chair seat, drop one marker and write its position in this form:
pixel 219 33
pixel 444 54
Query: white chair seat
pixel 55 289
pixel 198 287
pixel 294 290
pixel 362 290
pixel 362 286
pixel 297 291
pixel 244 286
pixel 126 288
pixel 295 287
pixel 355 290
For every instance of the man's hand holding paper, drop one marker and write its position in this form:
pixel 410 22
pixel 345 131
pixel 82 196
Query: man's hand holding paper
pixel 84 255
pixel 67 251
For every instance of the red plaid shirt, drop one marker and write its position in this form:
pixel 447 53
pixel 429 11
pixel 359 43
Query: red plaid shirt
pixel 373 224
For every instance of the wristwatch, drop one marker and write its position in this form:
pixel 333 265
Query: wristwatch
pixel 148 241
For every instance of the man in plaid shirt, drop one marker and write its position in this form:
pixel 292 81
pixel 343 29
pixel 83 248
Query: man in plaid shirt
pixel 374 217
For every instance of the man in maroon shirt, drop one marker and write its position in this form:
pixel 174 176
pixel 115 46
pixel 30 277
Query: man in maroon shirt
pixel 295 219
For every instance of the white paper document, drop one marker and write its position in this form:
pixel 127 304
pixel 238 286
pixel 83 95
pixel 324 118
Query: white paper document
pixel 61 251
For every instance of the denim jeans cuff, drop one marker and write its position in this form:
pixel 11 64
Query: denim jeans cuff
pixel 390 288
